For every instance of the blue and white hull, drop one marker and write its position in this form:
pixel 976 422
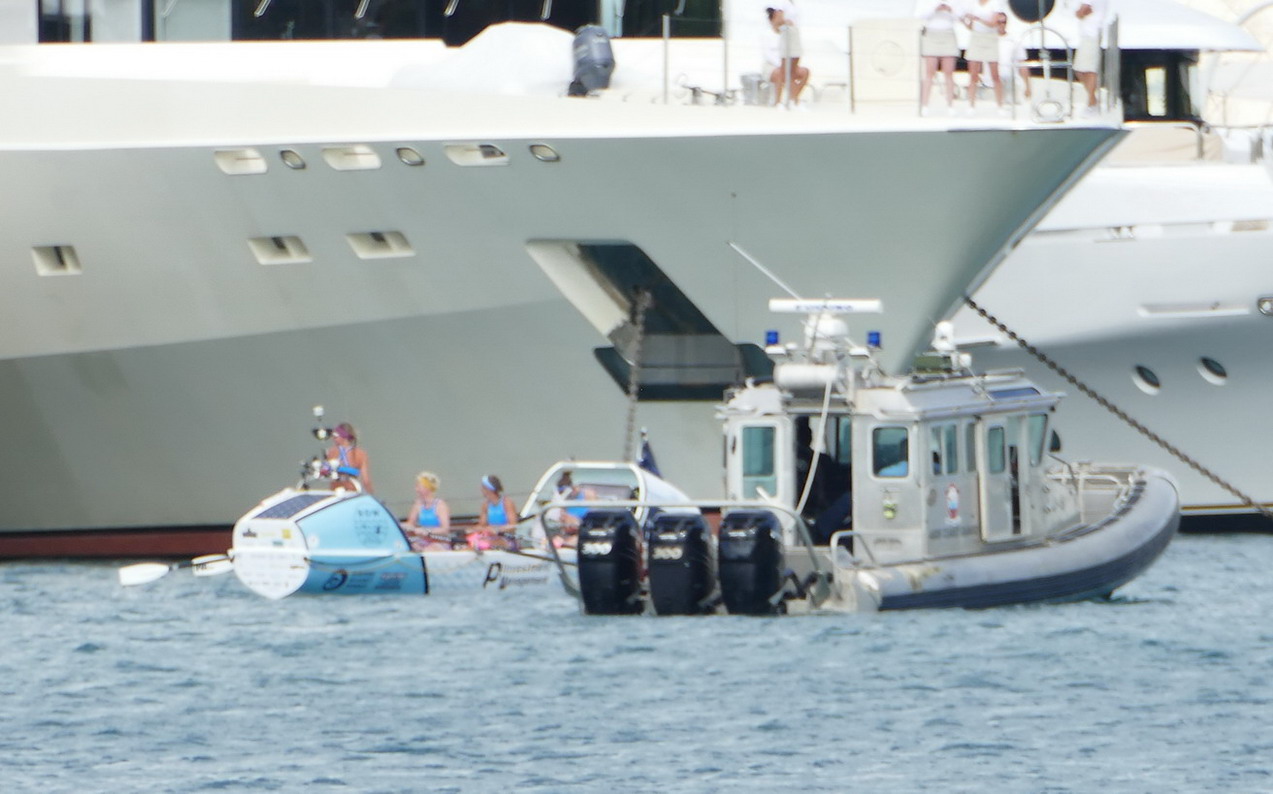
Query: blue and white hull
pixel 346 543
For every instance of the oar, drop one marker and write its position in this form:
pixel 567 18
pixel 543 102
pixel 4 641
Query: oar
pixel 147 572
pixel 212 564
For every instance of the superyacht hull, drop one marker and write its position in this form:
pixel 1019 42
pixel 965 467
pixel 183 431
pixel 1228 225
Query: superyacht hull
pixel 1149 283
pixel 178 293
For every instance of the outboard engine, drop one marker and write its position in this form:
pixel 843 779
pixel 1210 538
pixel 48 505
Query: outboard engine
pixel 682 576
pixel 594 60
pixel 751 563
pixel 609 558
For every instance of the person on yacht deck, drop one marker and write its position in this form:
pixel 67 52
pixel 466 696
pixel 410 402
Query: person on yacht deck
pixel 784 19
pixel 1087 56
pixel 496 518
pixel 429 522
pixel 348 460
pixel 939 49
pixel 987 20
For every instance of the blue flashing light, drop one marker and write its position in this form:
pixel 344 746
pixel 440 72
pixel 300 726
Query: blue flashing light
pixel 771 338
pixel 873 340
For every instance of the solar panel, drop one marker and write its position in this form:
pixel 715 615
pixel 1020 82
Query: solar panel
pixel 290 507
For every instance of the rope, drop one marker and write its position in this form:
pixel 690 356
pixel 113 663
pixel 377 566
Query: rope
pixel 643 301
pixel 1171 449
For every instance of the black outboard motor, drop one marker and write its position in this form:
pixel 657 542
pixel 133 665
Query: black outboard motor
pixel 609 563
pixel 682 576
pixel 594 60
pixel 751 564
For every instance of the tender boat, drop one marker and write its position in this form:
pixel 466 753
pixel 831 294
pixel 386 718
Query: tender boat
pixel 319 537
pixel 853 490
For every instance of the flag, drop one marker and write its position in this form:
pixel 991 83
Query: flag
pixel 646 459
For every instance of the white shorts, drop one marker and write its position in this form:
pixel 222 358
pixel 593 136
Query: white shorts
pixel 939 44
pixel 1087 58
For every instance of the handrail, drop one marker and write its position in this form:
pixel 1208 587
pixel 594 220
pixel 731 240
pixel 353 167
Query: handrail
pixel 1045 61
pixel 852 535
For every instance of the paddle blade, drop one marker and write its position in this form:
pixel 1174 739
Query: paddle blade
pixel 211 565
pixel 142 573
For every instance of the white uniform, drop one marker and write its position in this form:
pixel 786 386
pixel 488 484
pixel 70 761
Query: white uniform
pixel 1087 58
pixel 983 44
pixel 789 39
pixel 938 38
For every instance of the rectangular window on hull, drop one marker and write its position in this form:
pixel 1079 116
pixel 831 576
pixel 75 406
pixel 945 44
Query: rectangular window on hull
pixel 358 157
pixel 240 162
pixel 56 260
pixel 279 250
pixel 380 245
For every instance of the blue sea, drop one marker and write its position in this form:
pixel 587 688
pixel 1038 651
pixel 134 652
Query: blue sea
pixel 195 684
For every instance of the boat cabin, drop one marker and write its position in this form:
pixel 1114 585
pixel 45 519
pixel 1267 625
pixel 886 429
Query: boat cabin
pixel 941 461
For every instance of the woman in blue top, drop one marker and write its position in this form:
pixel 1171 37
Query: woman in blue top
pixel 495 518
pixel 429 522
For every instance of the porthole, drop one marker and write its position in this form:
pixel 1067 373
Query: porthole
pixel 1212 371
pixel 292 159
pixel 1265 305
pixel 1146 380
pixel 544 153
pixel 409 156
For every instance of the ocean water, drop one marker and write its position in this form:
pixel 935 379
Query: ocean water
pixel 198 685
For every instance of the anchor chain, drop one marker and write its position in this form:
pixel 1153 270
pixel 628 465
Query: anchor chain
pixel 1170 448
pixel 643 301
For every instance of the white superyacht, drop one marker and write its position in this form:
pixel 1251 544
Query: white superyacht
pixel 1149 281
pixel 203 239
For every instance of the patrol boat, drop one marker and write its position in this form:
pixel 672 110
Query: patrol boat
pixel 853 490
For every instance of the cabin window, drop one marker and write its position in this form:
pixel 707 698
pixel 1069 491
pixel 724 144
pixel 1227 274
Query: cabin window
pixel 1038 435
pixel 844 440
pixel 758 461
pixel 890 451
pixel 944 449
pixel 995 458
pixel 970 445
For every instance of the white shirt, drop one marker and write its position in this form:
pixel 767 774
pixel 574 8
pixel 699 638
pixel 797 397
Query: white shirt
pixel 984 11
pixel 1090 25
pixel 935 19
